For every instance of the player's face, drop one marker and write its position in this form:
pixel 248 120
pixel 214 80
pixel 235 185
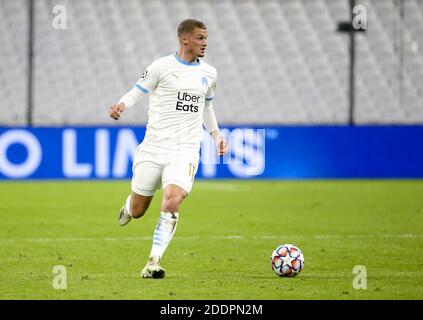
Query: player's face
pixel 197 42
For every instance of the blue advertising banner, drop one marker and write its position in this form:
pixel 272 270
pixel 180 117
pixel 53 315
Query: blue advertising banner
pixel 265 152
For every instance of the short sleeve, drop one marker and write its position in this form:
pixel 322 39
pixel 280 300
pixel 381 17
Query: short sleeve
pixel 148 80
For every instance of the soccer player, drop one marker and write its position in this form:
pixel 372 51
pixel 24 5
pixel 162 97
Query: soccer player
pixel 181 89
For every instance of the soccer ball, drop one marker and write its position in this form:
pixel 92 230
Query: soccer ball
pixel 287 260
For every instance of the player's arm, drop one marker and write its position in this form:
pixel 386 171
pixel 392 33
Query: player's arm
pixel 127 101
pixel 210 123
pixel 145 84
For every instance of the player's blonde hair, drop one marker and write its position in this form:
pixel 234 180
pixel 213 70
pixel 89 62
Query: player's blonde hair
pixel 189 25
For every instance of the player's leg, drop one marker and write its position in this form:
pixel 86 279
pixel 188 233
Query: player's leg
pixel 135 207
pixel 173 196
pixel 177 182
pixel 145 180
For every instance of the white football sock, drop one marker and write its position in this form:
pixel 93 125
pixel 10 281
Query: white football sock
pixel 128 205
pixel 165 229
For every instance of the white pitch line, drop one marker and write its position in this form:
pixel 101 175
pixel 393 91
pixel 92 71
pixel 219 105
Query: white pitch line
pixel 227 237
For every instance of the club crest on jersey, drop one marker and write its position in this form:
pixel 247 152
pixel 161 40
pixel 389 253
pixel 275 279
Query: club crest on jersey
pixel 144 74
pixel 204 81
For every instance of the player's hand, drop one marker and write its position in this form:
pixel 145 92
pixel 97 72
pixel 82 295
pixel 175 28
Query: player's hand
pixel 222 147
pixel 116 110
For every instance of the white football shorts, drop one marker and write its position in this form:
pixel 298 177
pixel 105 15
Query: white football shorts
pixel 152 169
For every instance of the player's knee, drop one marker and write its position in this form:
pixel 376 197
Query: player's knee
pixel 172 203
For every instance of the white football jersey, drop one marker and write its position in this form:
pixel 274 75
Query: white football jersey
pixel 178 91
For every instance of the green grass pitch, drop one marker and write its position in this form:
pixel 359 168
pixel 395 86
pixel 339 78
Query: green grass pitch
pixel 226 233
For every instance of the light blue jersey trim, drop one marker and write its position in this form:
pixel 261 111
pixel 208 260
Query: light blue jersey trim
pixel 209 99
pixel 141 88
pixel 186 63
